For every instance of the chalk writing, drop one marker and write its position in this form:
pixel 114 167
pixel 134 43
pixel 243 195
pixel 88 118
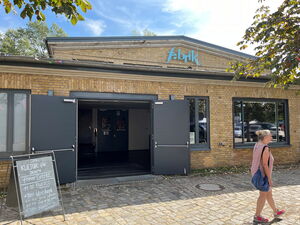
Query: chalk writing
pixel 37 185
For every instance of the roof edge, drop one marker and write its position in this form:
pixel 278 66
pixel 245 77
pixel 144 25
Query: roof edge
pixel 91 65
pixel 147 38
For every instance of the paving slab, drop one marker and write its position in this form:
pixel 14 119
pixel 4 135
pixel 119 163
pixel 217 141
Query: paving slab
pixel 115 180
pixel 213 200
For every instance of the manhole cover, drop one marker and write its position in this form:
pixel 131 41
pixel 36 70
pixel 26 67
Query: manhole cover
pixel 210 187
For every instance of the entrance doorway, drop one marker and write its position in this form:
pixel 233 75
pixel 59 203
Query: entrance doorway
pixel 113 138
pixel 68 118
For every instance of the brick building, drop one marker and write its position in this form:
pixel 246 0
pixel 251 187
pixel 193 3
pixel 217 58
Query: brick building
pixel 134 105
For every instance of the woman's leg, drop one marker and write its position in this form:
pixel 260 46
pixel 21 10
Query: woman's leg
pixel 271 200
pixel 261 202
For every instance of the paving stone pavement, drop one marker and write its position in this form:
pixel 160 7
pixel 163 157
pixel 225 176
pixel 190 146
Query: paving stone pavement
pixel 172 200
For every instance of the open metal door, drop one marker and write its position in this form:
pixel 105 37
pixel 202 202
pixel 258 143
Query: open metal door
pixel 171 153
pixel 53 127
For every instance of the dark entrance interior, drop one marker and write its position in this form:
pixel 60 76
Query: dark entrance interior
pixel 113 138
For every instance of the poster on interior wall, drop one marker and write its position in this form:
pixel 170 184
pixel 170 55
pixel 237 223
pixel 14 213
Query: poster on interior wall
pixel 106 124
pixel 120 125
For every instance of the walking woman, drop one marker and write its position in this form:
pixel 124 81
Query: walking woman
pixel 263 160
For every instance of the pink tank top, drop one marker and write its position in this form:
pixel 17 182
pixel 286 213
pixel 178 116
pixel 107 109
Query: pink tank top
pixel 257 162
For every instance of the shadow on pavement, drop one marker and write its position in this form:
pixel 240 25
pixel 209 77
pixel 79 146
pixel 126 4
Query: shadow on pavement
pixel 275 220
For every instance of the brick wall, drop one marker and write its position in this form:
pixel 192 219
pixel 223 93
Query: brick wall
pixel 4 173
pixel 146 56
pixel 220 98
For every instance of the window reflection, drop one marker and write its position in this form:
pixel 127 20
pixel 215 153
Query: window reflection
pixel 192 122
pixel 19 139
pixel 250 116
pixel 202 120
pixel 238 126
pixel 199 113
pixel 3 121
pixel 281 122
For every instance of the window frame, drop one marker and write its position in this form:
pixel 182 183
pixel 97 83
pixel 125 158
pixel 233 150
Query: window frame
pixel 10 122
pixel 198 146
pixel 271 100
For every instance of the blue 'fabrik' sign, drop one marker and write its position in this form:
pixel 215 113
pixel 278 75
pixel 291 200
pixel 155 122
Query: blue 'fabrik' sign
pixel 178 55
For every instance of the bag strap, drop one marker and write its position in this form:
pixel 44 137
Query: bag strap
pixel 263 152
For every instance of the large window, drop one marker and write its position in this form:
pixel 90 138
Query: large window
pixel 3 121
pixel 199 122
pixel 13 121
pixel 251 115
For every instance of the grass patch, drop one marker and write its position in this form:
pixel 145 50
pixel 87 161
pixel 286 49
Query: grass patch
pixel 221 170
pixel 2 195
pixel 287 166
pixel 230 170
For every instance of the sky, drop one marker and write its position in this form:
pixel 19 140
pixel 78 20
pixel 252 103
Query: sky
pixel 220 22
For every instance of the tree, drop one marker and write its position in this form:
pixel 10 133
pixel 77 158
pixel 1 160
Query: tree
pixel 277 37
pixel 145 32
pixel 69 8
pixel 261 112
pixel 29 41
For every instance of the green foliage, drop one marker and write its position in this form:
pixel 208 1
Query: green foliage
pixel 2 195
pixel 259 111
pixel 277 37
pixel 68 8
pixel 221 170
pixel 29 41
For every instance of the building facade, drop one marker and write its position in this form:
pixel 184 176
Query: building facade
pixel 131 105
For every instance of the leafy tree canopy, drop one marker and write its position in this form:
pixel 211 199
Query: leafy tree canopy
pixel 30 8
pixel 29 41
pixel 277 39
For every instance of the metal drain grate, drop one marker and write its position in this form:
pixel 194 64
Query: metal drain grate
pixel 210 187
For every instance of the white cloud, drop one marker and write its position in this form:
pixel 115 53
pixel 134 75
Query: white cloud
pixel 95 26
pixel 221 22
pixel 121 15
pixel 3 30
pixel 165 32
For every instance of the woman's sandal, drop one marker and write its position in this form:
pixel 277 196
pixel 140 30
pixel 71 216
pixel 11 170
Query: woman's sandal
pixel 279 213
pixel 260 220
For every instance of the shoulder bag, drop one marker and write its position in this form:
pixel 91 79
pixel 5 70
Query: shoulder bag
pixel 258 180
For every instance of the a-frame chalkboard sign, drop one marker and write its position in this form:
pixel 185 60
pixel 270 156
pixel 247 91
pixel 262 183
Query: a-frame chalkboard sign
pixel 36 183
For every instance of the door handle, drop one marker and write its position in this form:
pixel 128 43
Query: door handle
pixel 156 145
pixel 95 131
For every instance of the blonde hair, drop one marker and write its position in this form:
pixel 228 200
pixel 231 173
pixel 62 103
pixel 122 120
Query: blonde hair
pixel 262 134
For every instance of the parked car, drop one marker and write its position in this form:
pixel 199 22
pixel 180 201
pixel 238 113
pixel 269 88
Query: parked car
pixel 281 134
pixel 202 131
pixel 238 131
pixel 250 132
pixel 263 126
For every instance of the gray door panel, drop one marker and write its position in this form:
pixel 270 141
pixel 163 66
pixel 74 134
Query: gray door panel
pixel 171 160
pixel 66 166
pixel 53 127
pixel 171 122
pixel 171 153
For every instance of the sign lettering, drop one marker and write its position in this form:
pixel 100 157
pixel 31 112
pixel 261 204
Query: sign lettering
pixel 178 55
pixel 37 185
